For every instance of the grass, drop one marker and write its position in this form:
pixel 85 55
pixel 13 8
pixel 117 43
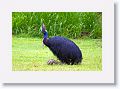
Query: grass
pixel 69 24
pixel 28 54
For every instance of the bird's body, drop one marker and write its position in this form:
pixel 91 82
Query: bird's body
pixel 65 50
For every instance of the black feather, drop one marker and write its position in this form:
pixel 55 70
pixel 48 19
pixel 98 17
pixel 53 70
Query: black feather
pixel 65 50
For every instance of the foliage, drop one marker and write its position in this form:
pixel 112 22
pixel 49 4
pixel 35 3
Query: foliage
pixel 69 24
pixel 29 55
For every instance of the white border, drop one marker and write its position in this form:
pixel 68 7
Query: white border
pixel 104 6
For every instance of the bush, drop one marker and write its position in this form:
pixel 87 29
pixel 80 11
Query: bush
pixel 69 24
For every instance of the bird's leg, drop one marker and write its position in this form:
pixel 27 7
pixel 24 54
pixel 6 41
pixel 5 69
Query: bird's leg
pixel 42 43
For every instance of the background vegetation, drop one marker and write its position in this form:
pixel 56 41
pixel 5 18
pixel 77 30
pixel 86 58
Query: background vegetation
pixel 28 53
pixel 69 24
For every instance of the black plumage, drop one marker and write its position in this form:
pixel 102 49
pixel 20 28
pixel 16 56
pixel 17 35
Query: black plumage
pixel 65 50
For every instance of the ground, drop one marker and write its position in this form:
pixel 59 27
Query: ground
pixel 28 54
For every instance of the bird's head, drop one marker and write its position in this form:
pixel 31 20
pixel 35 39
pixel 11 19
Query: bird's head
pixel 44 31
pixel 43 28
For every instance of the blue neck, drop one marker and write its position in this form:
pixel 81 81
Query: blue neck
pixel 45 35
pixel 45 38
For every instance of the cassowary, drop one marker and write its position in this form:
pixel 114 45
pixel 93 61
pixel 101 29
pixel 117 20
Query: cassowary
pixel 65 50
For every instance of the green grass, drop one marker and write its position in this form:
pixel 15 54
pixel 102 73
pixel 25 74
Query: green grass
pixel 69 24
pixel 29 55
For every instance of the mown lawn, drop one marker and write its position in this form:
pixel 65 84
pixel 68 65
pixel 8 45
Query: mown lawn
pixel 28 54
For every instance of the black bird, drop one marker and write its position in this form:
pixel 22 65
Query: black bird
pixel 65 50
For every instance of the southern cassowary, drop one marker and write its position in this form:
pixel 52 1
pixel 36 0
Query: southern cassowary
pixel 65 50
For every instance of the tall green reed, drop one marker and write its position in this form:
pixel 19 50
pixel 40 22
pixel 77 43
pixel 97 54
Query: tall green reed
pixel 68 24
